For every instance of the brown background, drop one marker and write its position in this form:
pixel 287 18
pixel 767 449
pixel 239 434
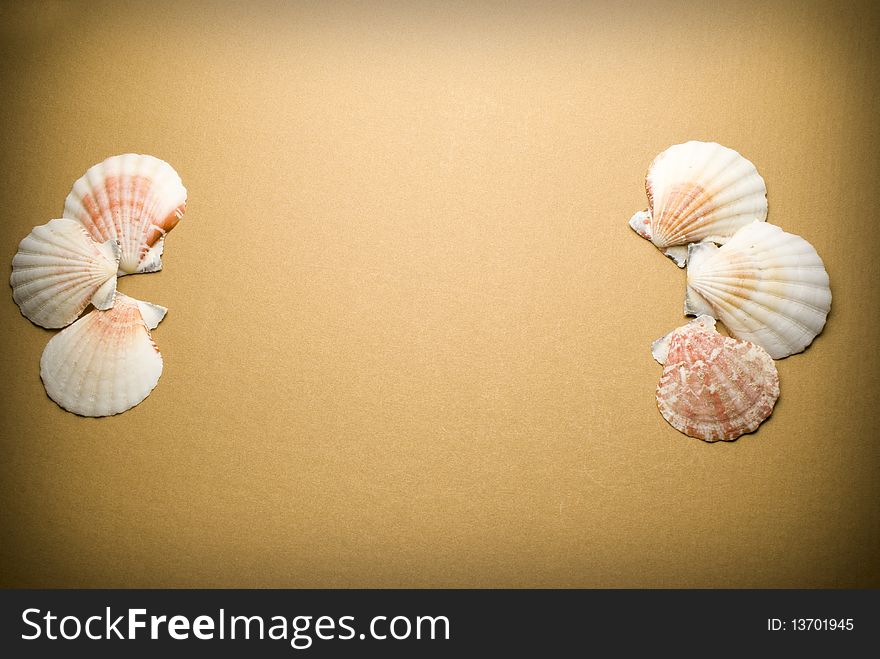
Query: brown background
pixel 409 328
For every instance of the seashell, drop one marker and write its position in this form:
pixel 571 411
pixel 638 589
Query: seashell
pixel 59 269
pixel 767 286
pixel 713 387
pixel 133 199
pixel 106 362
pixel 698 191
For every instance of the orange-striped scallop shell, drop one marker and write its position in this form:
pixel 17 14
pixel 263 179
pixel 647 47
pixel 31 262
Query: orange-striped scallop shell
pixel 133 199
pixel 699 191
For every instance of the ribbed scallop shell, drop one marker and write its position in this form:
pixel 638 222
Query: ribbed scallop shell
pixel 699 191
pixel 714 387
pixel 767 286
pixel 59 269
pixel 106 362
pixel 133 199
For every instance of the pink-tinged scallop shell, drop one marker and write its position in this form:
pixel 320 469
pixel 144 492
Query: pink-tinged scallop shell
pixel 714 387
pixel 133 199
pixel 58 270
pixel 698 191
pixel 106 362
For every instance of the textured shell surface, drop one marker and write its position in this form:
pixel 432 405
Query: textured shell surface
pixel 767 286
pixel 58 270
pixel 714 387
pixel 699 191
pixel 133 199
pixel 106 362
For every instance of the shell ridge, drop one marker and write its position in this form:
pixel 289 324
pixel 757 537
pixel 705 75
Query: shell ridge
pixel 93 208
pixel 729 290
pixel 29 267
pixel 691 163
pixel 122 365
pixel 144 200
pixel 743 269
pixel 85 372
pixel 743 385
pixel 51 239
pixel 723 161
pixel 781 339
pixel 694 219
pixel 697 220
pixel 46 300
pixel 102 204
pixel 73 332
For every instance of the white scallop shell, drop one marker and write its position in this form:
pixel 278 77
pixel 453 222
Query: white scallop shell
pixel 133 199
pixel 713 387
pixel 767 286
pixel 699 191
pixel 59 269
pixel 106 362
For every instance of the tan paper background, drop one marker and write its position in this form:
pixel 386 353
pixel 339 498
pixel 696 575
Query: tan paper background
pixel 409 328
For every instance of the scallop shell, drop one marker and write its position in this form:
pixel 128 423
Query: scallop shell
pixel 59 269
pixel 714 387
pixel 133 199
pixel 699 191
pixel 767 286
pixel 106 362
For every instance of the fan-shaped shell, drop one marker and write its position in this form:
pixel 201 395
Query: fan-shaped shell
pixel 106 362
pixel 59 269
pixel 714 387
pixel 767 286
pixel 133 199
pixel 699 191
